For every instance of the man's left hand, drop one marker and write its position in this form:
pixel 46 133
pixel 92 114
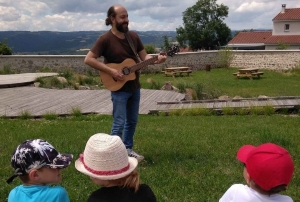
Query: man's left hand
pixel 161 58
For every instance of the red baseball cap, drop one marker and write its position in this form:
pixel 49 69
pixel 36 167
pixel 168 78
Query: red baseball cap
pixel 269 165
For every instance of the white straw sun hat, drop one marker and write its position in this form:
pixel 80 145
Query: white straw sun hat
pixel 105 157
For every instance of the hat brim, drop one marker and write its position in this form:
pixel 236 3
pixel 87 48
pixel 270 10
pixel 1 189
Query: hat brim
pixel 243 153
pixel 132 165
pixel 61 161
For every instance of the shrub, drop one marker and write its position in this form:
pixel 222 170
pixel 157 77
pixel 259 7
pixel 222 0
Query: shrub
pixel 198 88
pixel 76 112
pixel 89 81
pixel 254 110
pixel 150 48
pixel 175 112
pixel 54 82
pixel 4 49
pixel 67 73
pixel 154 84
pixel 6 70
pixel 269 110
pixel 224 58
pixel 203 111
pixel 50 116
pixel 228 111
pixel 283 111
pixel 242 111
pixel 25 115
pixel 282 46
pixel 45 69
pixel 40 80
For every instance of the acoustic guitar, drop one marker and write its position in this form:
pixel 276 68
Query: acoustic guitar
pixel 128 68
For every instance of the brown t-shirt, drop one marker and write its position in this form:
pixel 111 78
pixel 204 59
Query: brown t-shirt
pixel 116 50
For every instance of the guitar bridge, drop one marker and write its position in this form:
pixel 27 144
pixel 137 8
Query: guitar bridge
pixel 126 71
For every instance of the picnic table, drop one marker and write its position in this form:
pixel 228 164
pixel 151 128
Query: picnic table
pixel 173 71
pixel 248 72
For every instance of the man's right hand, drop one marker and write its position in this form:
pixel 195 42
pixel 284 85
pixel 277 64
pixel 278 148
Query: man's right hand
pixel 117 75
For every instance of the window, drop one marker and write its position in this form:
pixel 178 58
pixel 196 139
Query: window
pixel 287 27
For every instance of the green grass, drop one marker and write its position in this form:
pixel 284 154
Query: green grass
pixel 187 158
pixel 190 155
pixel 221 82
pixel 207 85
pixel 73 80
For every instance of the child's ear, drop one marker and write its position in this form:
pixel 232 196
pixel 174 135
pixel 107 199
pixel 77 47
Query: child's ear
pixel 247 177
pixel 33 174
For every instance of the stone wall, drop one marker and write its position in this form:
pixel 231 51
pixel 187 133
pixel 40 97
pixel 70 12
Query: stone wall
pixel 273 59
pixel 279 60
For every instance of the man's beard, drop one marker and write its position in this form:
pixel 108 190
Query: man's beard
pixel 120 27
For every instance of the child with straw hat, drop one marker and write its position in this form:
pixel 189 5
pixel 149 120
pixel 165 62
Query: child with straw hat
pixel 106 162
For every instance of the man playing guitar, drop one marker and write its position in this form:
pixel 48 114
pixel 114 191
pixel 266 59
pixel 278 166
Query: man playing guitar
pixel 115 49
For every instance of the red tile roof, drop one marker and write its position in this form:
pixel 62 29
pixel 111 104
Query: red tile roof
pixel 250 37
pixel 289 39
pixel 289 14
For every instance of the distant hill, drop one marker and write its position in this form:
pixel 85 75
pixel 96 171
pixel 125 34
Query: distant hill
pixel 70 43
pixel 59 43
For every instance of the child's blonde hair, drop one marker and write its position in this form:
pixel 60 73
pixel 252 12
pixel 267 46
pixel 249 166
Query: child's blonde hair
pixel 130 181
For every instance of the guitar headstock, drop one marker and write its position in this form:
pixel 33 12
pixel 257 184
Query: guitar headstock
pixel 173 50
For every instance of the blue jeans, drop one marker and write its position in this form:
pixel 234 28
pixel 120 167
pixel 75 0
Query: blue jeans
pixel 125 115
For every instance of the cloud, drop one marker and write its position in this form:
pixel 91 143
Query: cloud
pixel 252 7
pixel 8 14
pixel 78 15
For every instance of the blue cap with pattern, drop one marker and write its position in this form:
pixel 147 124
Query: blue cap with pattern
pixel 35 154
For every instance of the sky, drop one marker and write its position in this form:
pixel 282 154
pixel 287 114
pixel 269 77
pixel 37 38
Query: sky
pixel 144 15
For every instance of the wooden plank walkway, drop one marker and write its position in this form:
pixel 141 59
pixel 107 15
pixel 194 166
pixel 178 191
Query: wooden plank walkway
pixel 275 102
pixel 13 80
pixel 39 101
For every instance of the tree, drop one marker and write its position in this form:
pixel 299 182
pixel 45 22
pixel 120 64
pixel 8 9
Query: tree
pixel 282 46
pixel 166 43
pixel 203 26
pixel 150 48
pixel 4 49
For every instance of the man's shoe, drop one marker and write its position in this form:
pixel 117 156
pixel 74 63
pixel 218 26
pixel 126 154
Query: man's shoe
pixel 131 153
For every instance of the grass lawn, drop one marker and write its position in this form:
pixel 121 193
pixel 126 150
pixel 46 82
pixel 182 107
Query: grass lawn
pixel 221 82
pixel 187 158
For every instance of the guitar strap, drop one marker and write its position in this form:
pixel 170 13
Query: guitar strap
pixel 131 45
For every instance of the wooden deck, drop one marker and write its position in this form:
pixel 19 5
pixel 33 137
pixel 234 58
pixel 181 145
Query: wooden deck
pixel 14 80
pixel 275 102
pixel 39 101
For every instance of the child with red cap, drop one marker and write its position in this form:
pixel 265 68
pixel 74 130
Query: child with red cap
pixel 268 170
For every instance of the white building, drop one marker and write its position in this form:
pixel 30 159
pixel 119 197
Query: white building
pixel 286 31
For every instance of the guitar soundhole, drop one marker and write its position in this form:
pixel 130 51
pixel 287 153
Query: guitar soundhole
pixel 126 71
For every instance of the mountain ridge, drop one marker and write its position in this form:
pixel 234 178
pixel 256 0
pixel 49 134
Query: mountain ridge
pixel 58 43
pixel 71 43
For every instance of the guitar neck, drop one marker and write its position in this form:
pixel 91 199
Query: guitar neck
pixel 145 63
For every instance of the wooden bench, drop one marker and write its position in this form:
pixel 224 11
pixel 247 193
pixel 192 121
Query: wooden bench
pixel 170 73
pixel 185 72
pixel 249 75
pixel 257 74
pixel 180 73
